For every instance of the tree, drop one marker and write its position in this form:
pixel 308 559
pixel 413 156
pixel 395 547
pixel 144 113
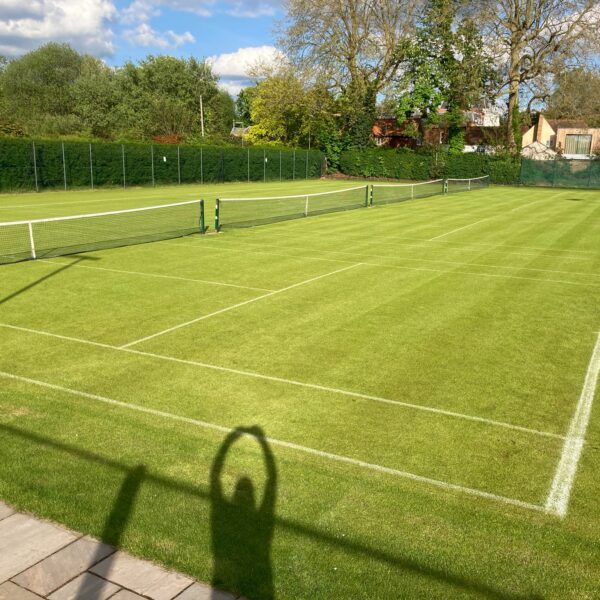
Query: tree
pixel 243 105
pixel 577 95
pixel 352 47
pixel 533 37
pixel 446 64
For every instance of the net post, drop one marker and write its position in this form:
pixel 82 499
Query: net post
pixel 202 225
pixel 31 241
pixel 91 168
pixel 306 207
pixel 217 211
pixel 64 164
pixel 37 189
pixel 368 195
pixel 412 192
pixel 469 186
pixel 445 186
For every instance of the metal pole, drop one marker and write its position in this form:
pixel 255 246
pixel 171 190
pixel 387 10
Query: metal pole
pixel 306 165
pixel 294 166
pixel 202 227
pixel 217 210
pixel 201 115
pixel 64 164
pixel 31 241
pixel 37 189
pixel 280 165
pixel 201 167
pixel 178 166
pixel 248 165
pixel 264 166
pixel 123 155
pixel 152 159
pixel 91 168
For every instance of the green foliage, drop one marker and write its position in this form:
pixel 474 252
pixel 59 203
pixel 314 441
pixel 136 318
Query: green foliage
pixel 407 164
pixel 171 164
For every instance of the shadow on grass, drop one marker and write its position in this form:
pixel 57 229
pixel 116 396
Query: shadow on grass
pixel 401 563
pixel 44 278
pixel 241 528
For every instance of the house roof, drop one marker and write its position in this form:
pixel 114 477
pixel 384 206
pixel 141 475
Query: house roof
pixel 557 124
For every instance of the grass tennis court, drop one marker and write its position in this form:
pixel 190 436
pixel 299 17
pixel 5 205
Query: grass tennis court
pixel 423 372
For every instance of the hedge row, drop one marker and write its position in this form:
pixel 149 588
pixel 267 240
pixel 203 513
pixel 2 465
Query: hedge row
pixel 31 165
pixel 407 164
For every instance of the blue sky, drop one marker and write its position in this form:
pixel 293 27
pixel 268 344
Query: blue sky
pixel 233 33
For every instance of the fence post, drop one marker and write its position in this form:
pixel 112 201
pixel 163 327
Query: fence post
pixel 37 189
pixel 306 165
pixel 248 164
pixel 123 155
pixel 280 166
pixel 178 166
pixel 554 173
pixel 91 168
pixel 152 159
pixel 64 164
pixel 264 166
pixel 201 168
pixel 294 166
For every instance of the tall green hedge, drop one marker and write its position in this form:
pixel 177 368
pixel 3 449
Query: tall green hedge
pixel 31 165
pixel 408 164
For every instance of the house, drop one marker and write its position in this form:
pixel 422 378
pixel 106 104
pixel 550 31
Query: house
pixel 571 138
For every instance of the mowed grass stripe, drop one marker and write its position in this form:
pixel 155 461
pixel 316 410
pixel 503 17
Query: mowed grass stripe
pixel 292 446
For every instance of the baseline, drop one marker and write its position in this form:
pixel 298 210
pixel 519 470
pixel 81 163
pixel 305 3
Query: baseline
pixel 285 444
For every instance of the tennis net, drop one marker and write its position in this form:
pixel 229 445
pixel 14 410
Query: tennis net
pixel 386 193
pixel 248 212
pixel 466 185
pixel 42 238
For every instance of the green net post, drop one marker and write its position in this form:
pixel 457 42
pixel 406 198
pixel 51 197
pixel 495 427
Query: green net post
pixel 202 225
pixel 445 186
pixel 217 207
pixel 368 195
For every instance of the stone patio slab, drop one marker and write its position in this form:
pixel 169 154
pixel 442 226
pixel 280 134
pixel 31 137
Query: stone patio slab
pixel 141 576
pixel 126 595
pixel 10 591
pixel 25 541
pixel 54 571
pixel 199 591
pixel 85 587
pixel 5 511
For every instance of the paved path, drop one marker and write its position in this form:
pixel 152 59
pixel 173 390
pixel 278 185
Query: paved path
pixel 39 559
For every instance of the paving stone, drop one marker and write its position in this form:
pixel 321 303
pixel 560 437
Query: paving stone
pixel 85 587
pixel 66 564
pixel 126 595
pixel 25 541
pixel 141 576
pixel 10 591
pixel 200 591
pixel 5 511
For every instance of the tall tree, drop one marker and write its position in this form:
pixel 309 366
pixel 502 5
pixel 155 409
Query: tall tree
pixel 351 45
pixel 576 95
pixel 532 36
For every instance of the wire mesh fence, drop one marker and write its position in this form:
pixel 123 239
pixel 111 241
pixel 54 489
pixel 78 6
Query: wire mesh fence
pixel 29 165
pixel 561 173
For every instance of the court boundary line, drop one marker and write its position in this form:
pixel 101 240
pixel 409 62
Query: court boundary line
pixel 140 273
pixel 557 501
pixel 437 237
pixel 238 305
pixel 405 268
pixel 285 444
pixel 293 382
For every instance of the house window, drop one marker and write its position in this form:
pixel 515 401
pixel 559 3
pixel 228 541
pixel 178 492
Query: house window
pixel 578 144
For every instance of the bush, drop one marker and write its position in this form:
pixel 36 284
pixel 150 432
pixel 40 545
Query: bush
pixel 404 163
pixel 109 164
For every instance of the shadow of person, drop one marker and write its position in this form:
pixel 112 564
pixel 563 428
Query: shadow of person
pixel 242 528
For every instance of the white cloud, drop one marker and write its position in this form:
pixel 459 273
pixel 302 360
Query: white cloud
pixel 144 35
pixel 141 10
pixel 82 23
pixel 239 63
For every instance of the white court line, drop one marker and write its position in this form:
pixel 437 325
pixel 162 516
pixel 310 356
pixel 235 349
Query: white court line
pixel 290 445
pixel 437 237
pixel 427 260
pixel 387 266
pixel 234 306
pixel 208 282
pixel 313 386
pixel 558 499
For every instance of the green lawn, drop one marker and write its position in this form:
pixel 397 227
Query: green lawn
pixel 417 370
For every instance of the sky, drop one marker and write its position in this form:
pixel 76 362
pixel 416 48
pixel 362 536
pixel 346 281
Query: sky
pixel 232 34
